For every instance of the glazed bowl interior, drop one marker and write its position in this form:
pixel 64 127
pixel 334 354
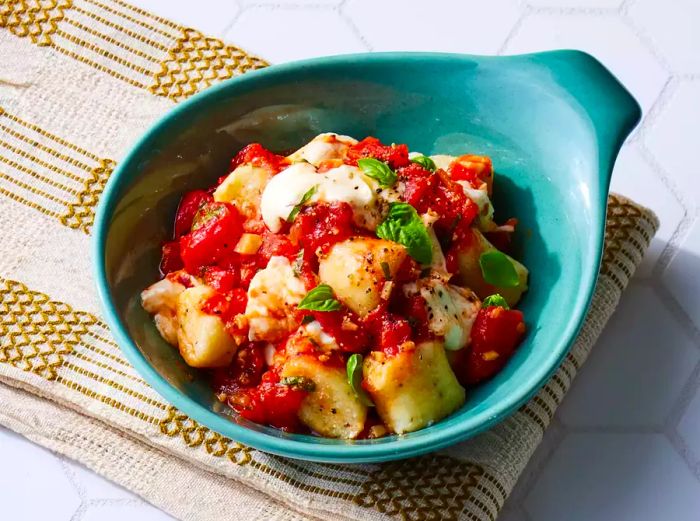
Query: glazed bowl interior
pixel 551 122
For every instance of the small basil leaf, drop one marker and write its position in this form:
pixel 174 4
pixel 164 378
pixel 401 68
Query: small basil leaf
pixel 299 382
pixel 320 298
pixel 498 270
pixel 386 270
pixel 354 370
pixel 404 225
pixel 495 300
pixel 377 170
pixel 207 212
pixel 425 162
pixel 304 199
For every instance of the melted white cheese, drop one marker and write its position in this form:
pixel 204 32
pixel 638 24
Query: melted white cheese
pixel 323 147
pixel 344 184
pixel 273 294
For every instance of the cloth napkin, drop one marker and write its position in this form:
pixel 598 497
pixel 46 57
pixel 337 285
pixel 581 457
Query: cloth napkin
pixel 79 81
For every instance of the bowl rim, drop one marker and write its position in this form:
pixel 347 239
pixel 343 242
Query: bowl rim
pixel 341 452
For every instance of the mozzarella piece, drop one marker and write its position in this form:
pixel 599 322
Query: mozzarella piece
pixel 451 310
pixel 160 300
pixel 344 183
pixel 323 147
pixel 273 294
pixel 442 161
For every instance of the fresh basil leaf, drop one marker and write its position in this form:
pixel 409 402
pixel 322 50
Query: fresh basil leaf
pixel 299 382
pixel 495 300
pixel 425 162
pixel 386 270
pixel 498 270
pixel 404 225
pixel 304 199
pixel 307 319
pixel 354 370
pixel 320 298
pixel 207 212
pixel 298 263
pixel 378 170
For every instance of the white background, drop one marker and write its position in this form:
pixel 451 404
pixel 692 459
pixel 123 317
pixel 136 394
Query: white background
pixel 625 444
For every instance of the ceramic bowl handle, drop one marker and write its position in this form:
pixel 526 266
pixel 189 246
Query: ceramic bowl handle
pixel 612 110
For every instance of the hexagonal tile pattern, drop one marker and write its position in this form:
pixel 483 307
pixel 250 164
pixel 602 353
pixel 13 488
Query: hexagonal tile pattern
pixel 198 17
pixel 607 38
pixel 120 512
pixel 674 136
pixel 637 370
pixel 634 177
pixel 674 28
pixel 635 477
pixel 681 275
pixel 280 34
pixel 31 472
pixel 438 25
pixel 689 428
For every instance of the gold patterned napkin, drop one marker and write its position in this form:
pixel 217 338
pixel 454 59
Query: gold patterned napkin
pixel 79 81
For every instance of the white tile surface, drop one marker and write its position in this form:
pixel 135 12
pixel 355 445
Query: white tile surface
pixel 35 473
pixel 620 477
pixel 689 429
pixel 294 33
pixel 673 138
pixel 607 37
pixel 606 457
pixel 425 26
pixel 634 177
pixel 674 29
pixel 682 277
pixel 637 371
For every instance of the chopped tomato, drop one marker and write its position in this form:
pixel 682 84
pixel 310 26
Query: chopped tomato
pixel 390 331
pixel 170 260
pixel 213 240
pixel 453 207
pixel 257 155
pixel 226 305
pixel 495 335
pixel 245 370
pixel 416 312
pixel 473 169
pixel 221 279
pixel 271 403
pixel 189 205
pixel 394 155
pixel 276 244
pixel 419 184
pixel 321 226
pixel 345 327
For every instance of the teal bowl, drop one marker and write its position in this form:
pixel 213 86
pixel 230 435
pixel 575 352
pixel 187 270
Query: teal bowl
pixel 552 122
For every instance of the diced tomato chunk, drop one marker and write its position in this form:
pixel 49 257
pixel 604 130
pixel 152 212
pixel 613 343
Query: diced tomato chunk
pixel 495 335
pixel 190 203
pixel 419 184
pixel 345 327
pixel 170 259
pixel 245 370
pixel 221 279
pixel 226 305
pixel 321 226
pixel 213 240
pixel 257 155
pixel 473 169
pixel 394 155
pixel 389 330
pixel 270 403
